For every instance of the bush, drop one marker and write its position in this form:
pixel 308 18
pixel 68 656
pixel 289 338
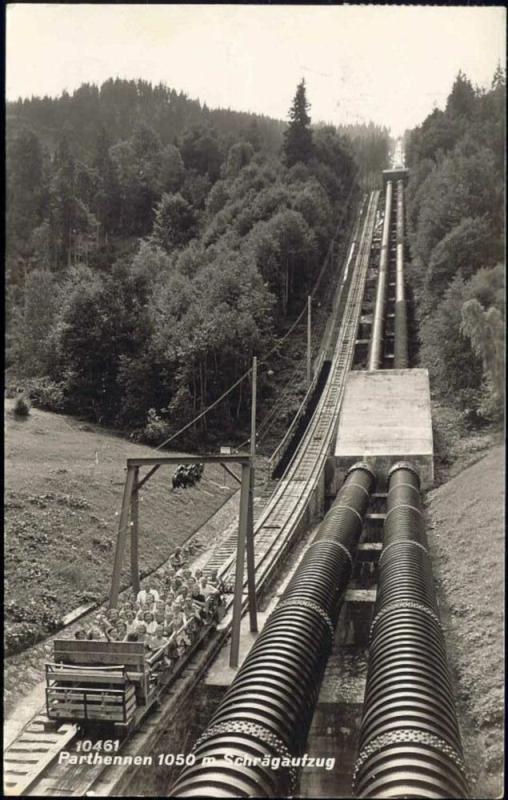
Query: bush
pixel 156 429
pixel 46 394
pixel 22 406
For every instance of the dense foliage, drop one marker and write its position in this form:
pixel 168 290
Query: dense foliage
pixel 154 246
pixel 456 229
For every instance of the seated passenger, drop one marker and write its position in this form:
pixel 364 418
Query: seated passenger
pixel 147 596
pixel 160 616
pixel 193 586
pixel 148 605
pixel 121 629
pixel 157 640
pixel 94 633
pixel 184 592
pixel 216 581
pixel 191 618
pixel 132 637
pixel 141 632
pixel 150 622
pixel 101 622
pixel 80 634
pixel 177 606
pixel 206 588
pixel 172 649
pixel 170 573
pixel 156 589
pixel 176 560
pixel 182 638
pixel 130 621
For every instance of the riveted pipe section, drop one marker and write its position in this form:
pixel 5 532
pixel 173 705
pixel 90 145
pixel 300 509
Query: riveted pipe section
pixel 266 713
pixel 401 347
pixel 410 744
pixel 376 342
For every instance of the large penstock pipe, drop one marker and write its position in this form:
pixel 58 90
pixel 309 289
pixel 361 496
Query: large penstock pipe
pixel 401 351
pixel 410 744
pixel 266 713
pixel 376 342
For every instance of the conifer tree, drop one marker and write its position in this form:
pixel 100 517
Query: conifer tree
pixel 298 136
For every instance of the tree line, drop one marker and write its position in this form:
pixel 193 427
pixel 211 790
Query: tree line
pixel 456 232
pixel 147 263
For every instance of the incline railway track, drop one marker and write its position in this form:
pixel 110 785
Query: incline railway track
pixel 29 759
pixel 289 502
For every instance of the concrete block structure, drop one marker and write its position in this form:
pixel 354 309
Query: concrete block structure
pixel 385 418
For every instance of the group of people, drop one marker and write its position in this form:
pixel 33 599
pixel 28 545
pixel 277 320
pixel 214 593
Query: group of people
pixel 167 614
pixel 187 475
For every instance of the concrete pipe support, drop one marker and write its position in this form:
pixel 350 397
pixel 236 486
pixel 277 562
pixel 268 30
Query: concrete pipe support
pixel 410 744
pixel 264 717
pixel 376 342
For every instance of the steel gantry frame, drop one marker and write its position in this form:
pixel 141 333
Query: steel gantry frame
pixel 245 541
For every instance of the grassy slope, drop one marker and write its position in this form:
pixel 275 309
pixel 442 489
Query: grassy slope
pixel 64 484
pixel 467 541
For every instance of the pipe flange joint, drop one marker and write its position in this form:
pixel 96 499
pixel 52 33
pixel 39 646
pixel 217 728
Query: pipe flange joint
pixel 400 485
pixel 336 506
pixel 404 465
pixel 403 505
pixel 403 541
pixel 362 465
pixel 404 604
pixel 409 737
pixel 338 544
pixel 313 607
pixel 255 731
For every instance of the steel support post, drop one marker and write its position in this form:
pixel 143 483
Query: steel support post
pixel 240 562
pixel 251 565
pixel 122 536
pixel 135 532
pixel 309 340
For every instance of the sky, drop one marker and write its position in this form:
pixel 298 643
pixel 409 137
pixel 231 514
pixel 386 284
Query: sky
pixel 388 64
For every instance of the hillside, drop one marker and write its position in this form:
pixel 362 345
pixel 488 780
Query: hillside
pixel 466 536
pixel 63 492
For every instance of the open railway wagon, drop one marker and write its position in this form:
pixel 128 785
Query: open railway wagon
pixel 95 683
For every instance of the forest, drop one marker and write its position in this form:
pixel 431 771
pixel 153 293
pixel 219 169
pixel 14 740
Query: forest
pixel 456 233
pixel 154 245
